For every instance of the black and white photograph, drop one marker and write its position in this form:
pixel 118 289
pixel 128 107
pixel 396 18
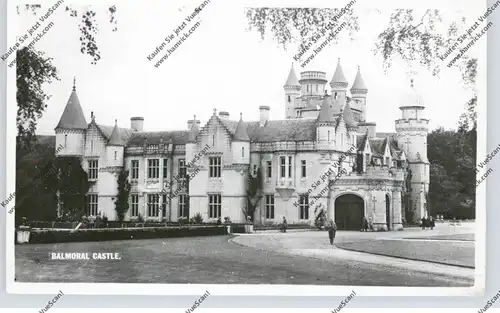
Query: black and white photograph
pixel 247 148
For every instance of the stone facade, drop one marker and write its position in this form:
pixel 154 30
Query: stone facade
pixel 323 155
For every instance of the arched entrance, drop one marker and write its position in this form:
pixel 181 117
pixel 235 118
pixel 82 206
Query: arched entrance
pixel 388 211
pixel 349 212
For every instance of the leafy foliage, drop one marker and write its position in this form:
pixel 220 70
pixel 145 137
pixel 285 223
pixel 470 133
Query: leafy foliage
pixel 121 202
pixel 254 194
pixel 452 189
pixel 407 203
pixel 196 219
pixel 73 185
pixel 33 71
pixel 320 216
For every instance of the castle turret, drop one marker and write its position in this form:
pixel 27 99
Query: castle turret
pixel 358 93
pixel 71 129
pixel 115 148
pixel 241 144
pixel 412 129
pixel 292 91
pixel 326 124
pixel 339 85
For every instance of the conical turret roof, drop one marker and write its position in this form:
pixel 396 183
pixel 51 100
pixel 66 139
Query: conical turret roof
pixel 347 115
pixel 326 114
pixel 338 76
pixel 116 139
pixel 72 117
pixel 359 83
pixel 193 132
pixel 292 78
pixel 241 133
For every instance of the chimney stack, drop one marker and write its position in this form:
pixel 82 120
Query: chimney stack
pixel 264 114
pixel 223 115
pixel 137 123
pixel 190 123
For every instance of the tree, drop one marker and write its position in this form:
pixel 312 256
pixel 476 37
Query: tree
pixel 409 213
pixel 121 202
pixel 34 70
pixel 253 194
pixel 359 163
pixel 73 185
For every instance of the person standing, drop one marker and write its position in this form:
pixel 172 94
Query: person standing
pixel 432 224
pixel 424 222
pixel 364 225
pixel 285 225
pixel 332 229
pixel 91 221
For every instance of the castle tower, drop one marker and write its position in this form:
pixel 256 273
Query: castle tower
pixel 71 129
pixel 412 129
pixel 339 85
pixel 241 144
pixel 292 91
pixel 115 148
pixel 358 92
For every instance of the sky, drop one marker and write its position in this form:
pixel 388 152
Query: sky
pixel 220 66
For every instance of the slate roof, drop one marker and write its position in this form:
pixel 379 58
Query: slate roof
pixel 107 131
pixel 359 83
pixel 72 117
pixel 378 146
pixel 292 78
pixel 327 112
pixel 361 141
pixel 347 115
pixel 178 137
pixel 338 76
pixel 240 134
pixel 277 130
pixel 116 138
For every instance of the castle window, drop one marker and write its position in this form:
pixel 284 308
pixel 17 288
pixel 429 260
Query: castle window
pixel 91 146
pixel 213 140
pixel 164 202
pixel 214 167
pixel 92 203
pixel 328 136
pixel 134 200
pixel 255 169
pixel 153 205
pixel 387 161
pixel 289 99
pixel 270 206
pixel 65 141
pixel 304 207
pixel 214 206
pixel 282 166
pixel 183 206
pixel 289 167
pixel 317 88
pixel 317 138
pixel 341 140
pixel 367 162
pixel 135 169
pixel 303 167
pixel 269 169
pixel 242 152
pixel 182 168
pixel 116 153
pixel 165 168
pixel 307 88
pixel 93 169
pixel 154 168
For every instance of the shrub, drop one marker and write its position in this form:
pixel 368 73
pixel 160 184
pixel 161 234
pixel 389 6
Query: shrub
pixel 183 220
pixel 104 234
pixel 227 220
pixel 320 213
pixel 197 219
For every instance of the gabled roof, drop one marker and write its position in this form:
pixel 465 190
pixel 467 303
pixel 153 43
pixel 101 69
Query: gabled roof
pixel 277 130
pixel 240 133
pixel 107 131
pixel 378 146
pixel 361 142
pixel 359 83
pixel 292 78
pixel 116 138
pixel 72 117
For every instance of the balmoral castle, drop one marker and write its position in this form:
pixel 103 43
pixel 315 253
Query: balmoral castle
pixel 320 127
